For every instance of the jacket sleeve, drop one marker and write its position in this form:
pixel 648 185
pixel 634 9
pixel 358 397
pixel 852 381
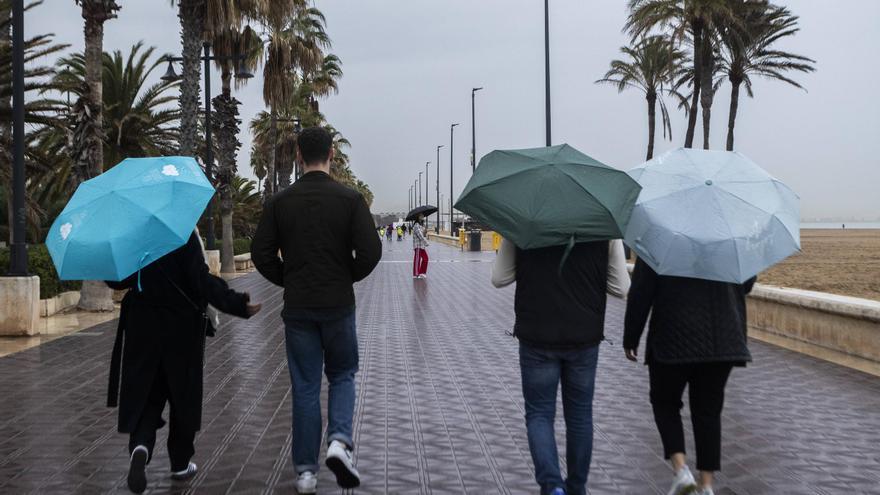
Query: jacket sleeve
pixel 212 289
pixel 504 268
pixel 366 244
pixel 618 278
pixel 638 305
pixel 265 246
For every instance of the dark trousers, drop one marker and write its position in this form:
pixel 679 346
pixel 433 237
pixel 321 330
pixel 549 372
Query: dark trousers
pixel 180 442
pixel 705 382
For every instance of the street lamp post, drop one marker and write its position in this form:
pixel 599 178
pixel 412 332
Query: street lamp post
pixel 18 255
pixel 410 199
pixel 439 203
pixel 474 130
pixel 209 147
pixel 427 195
pixel 547 68
pixel 297 173
pixel 451 183
pixel 420 189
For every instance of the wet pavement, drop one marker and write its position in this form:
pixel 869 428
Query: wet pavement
pixel 439 408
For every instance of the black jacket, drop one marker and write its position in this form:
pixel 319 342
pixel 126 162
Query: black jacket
pixel 160 329
pixel 327 239
pixel 692 320
pixel 561 311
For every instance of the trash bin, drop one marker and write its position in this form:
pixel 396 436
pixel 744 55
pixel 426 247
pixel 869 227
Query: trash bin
pixel 475 240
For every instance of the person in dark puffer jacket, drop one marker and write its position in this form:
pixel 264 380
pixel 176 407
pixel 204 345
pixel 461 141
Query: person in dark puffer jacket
pixel 697 335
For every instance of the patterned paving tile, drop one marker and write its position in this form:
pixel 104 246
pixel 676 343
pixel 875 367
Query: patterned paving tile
pixel 439 405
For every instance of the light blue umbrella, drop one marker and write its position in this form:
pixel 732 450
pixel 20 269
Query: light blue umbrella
pixel 713 215
pixel 128 217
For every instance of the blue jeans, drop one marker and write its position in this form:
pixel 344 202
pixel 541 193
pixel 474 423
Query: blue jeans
pixel 322 339
pixel 542 370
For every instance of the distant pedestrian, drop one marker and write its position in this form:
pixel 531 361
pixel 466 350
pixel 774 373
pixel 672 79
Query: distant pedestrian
pixel 323 230
pixel 420 246
pixel 159 348
pixel 697 335
pixel 400 233
pixel 560 320
pixel 389 232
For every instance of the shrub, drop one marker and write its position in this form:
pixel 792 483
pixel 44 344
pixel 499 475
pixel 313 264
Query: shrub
pixel 40 264
pixel 241 246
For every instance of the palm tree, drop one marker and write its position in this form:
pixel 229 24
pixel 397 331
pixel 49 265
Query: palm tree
pixel 652 68
pixel 38 113
pixel 231 39
pixel 296 42
pixel 139 120
pixel 697 19
pixel 750 52
pixel 192 15
pixel 95 295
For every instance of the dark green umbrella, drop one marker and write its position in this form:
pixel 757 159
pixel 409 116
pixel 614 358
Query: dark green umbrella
pixel 549 196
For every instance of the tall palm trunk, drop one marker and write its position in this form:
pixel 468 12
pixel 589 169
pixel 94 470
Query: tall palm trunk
pixel 226 118
pixel 731 117
pixel 707 91
pixel 6 130
pixel 698 71
pixel 95 295
pixel 273 152
pixel 192 21
pixel 652 118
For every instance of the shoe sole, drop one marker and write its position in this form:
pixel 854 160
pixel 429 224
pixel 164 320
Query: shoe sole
pixel 344 477
pixel 137 476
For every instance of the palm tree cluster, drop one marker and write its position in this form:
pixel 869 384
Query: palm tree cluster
pixel 695 45
pixel 90 110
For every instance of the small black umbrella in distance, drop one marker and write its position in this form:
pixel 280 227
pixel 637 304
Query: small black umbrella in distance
pixel 424 211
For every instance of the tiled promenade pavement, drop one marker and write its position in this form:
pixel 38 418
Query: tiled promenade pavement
pixel 439 405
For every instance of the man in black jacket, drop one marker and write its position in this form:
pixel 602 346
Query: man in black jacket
pixel 327 239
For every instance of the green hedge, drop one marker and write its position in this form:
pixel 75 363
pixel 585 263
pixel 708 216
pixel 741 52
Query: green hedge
pixel 241 246
pixel 40 264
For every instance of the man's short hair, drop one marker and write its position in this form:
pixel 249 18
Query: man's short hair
pixel 314 145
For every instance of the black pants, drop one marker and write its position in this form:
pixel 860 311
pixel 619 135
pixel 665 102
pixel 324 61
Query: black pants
pixel 180 442
pixel 705 382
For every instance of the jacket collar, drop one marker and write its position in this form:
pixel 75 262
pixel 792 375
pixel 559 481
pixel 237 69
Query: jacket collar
pixel 316 175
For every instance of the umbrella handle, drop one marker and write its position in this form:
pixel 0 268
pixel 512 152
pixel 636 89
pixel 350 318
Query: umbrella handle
pixel 565 255
pixel 140 266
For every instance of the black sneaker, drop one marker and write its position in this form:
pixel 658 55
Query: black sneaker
pixel 137 476
pixel 340 462
pixel 186 474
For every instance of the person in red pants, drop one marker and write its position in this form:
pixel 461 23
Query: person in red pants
pixel 420 246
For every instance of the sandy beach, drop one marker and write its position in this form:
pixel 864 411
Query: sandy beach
pixel 845 262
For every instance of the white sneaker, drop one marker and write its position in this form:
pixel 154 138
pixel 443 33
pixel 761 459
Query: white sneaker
pixel 705 491
pixel 189 472
pixel 307 482
pixel 339 461
pixel 683 483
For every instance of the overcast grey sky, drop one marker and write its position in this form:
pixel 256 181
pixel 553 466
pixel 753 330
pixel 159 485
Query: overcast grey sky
pixel 410 65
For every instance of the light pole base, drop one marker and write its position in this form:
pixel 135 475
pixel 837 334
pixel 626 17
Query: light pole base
pixel 19 305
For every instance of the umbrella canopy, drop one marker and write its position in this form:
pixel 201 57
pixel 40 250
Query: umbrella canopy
pixel 128 217
pixel 549 196
pixel 424 211
pixel 714 215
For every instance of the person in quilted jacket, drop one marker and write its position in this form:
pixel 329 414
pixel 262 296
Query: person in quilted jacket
pixel 697 334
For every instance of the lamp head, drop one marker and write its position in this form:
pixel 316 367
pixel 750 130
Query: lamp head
pixel 170 75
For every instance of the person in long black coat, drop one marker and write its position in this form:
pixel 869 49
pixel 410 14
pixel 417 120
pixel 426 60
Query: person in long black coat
pixel 697 334
pixel 160 342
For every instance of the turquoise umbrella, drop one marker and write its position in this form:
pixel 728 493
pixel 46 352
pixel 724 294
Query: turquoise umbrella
pixel 128 217
pixel 713 215
pixel 549 196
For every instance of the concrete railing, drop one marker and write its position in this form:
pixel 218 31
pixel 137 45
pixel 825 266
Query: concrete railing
pixel 485 240
pixel 846 325
pixel 59 303
pixel 243 262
